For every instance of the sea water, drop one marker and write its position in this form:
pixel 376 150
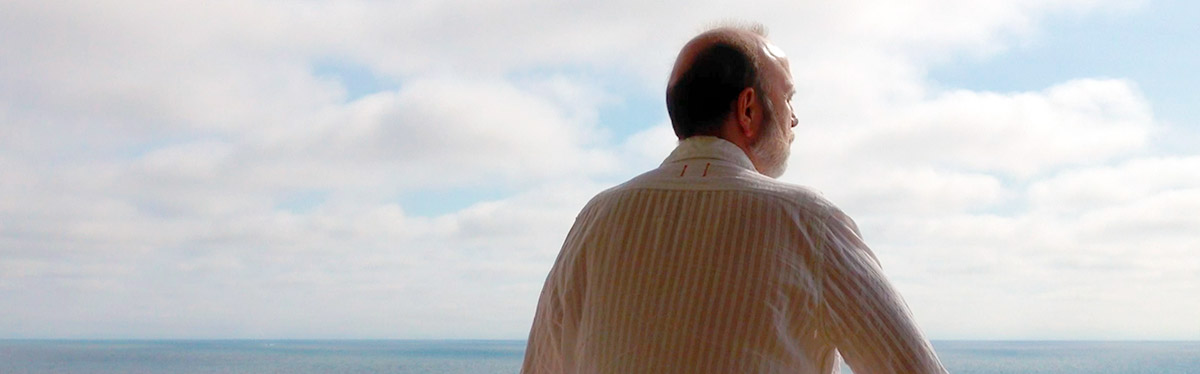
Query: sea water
pixel 1038 357
pixel 504 356
pixel 253 356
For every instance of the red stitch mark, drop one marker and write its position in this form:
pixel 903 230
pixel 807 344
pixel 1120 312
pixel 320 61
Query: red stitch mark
pixel 705 169
pixel 684 170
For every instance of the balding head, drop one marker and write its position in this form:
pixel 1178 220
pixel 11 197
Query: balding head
pixel 709 74
pixel 745 39
pixel 732 83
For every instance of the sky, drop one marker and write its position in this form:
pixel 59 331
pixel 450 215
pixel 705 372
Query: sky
pixel 408 170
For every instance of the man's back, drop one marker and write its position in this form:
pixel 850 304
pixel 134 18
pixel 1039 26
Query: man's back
pixel 705 266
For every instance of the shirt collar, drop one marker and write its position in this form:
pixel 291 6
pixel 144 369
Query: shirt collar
pixel 710 147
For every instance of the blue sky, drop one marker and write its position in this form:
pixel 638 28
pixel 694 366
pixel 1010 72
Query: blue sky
pixel 1145 45
pixel 358 169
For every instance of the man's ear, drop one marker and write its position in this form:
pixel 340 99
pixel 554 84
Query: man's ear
pixel 747 112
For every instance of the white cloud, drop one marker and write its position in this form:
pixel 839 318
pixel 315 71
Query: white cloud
pixel 1017 135
pixel 1107 244
pixel 1124 183
pixel 196 161
pixel 372 263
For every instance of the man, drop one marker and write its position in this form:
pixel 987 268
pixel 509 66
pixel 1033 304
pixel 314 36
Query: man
pixel 708 264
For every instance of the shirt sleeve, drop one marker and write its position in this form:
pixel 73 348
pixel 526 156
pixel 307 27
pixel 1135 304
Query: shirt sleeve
pixel 555 324
pixel 865 318
pixel 541 351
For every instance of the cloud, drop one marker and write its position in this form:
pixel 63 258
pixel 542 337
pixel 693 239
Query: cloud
pixel 1105 244
pixel 1124 183
pixel 1016 135
pixel 371 263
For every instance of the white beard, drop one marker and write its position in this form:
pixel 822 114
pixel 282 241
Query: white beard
pixel 772 150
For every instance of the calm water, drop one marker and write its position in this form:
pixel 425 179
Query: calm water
pixel 460 356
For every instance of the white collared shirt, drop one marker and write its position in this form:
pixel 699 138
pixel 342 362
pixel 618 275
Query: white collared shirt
pixel 706 266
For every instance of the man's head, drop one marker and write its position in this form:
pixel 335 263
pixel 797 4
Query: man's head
pixel 732 83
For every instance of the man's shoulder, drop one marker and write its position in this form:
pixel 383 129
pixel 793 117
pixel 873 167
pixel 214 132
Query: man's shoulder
pixel 796 195
pixel 788 195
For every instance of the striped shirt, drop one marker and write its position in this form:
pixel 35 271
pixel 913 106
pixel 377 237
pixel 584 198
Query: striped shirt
pixel 706 266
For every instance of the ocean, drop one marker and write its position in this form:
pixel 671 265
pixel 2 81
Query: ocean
pixel 504 356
